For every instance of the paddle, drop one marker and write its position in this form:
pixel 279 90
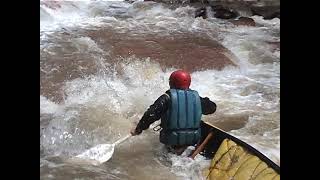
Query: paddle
pixel 102 152
pixel 202 145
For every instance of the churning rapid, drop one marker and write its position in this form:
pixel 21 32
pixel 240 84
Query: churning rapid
pixel 102 63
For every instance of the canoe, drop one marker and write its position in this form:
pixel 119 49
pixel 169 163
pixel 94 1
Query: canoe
pixel 232 158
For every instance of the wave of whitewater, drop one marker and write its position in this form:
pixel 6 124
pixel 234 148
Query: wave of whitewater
pixel 102 99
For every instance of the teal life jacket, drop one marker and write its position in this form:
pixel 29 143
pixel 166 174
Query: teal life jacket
pixel 181 123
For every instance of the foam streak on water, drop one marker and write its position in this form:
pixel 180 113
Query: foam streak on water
pixel 100 99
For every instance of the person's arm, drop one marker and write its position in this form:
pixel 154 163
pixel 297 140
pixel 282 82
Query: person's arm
pixel 207 106
pixel 152 114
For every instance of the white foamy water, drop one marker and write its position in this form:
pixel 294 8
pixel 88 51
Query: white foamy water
pixel 47 106
pixel 68 14
pixel 102 107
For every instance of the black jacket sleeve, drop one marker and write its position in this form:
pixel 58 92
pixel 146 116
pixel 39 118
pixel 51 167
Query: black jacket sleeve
pixel 153 113
pixel 207 106
pixel 160 106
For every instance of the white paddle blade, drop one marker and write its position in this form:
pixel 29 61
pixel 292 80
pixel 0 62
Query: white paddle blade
pixel 100 153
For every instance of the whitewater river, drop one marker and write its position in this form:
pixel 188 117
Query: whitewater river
pixel 102 63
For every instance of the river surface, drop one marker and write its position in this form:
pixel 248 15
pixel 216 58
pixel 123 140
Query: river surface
pixel 102 63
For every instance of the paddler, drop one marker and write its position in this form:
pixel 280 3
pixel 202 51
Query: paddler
pixel 180 110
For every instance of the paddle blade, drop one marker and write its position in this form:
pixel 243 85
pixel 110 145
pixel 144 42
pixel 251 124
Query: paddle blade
pixel 100 153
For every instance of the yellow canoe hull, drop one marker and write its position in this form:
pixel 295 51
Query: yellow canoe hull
pixel 235 159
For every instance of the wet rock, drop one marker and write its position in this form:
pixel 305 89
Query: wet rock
pixel 269 9
pixel 268 12
pixel 201 12
pixel 243 21
pixel 230 9
pixel 224 13
pixel 51 4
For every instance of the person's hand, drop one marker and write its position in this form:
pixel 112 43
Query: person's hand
pixel 133 131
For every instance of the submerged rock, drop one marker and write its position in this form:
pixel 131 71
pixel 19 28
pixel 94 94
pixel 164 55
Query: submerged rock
pixel 184 51
pixel 243 21
pixel 201 12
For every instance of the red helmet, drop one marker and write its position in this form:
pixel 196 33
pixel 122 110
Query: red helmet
pixel 180 80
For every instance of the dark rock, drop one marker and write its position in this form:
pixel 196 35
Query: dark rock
pixel 244 21
pixel 224 13
pixel 201 12
pixel 199 1
pixel 269 9
pixel 268 12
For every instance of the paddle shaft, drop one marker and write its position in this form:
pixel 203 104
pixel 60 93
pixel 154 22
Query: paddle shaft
pixel 122 139
pixel 202 145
